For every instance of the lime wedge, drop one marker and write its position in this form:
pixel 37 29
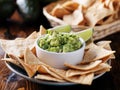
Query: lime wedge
pixel 62 28
pixel 85 34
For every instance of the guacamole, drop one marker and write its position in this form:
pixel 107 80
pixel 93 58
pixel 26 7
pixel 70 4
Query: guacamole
pixel 59 42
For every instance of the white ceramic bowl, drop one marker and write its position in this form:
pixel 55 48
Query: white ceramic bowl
pixel 57 60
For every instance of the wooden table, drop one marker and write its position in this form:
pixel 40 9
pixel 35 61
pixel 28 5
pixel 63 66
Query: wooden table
pixel 12 81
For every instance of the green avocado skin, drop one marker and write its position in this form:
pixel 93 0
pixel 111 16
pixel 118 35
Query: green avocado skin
pixel 7 7
pixel 29 9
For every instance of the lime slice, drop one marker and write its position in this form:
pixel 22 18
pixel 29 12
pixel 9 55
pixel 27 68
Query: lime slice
pixel 62 28
pixel 85 34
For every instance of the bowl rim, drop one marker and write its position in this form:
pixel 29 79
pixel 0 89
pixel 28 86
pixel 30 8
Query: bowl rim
pixel 63 53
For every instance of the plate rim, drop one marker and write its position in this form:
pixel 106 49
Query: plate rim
pixel 43 82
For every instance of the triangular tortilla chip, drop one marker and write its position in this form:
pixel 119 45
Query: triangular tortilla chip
pixel 105 59
pixel 12 61
pixel 44 69
pixel 106 45
pixel 70 5
pixel 91 45
pixel 42 31
pixel 80 80
pixel 33 35
pixel 16 47
pixel 33 49
pixel 84 79
pixel 48 78
pixel 97 12
pixel 73 72
pixel 87 66
pixel 102 71
pixel 59 72
pixel 96 53
pixel 30 69
pixel 30 58
pixel 76 17
pixel 19 38
pixel 59 11
pixel 85 3
pixel 103 43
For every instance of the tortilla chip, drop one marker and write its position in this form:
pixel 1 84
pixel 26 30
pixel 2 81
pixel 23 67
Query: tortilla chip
pixel 33 35
pixel 70 5
pixel 91 45
pixel 48 78
pixel 84 79
pixel 87 66
pixel 44 69
pixel 30 58
pixel 105 59
pixel 103 43
pixel 87 80
pixel 68 18
pixel 106 45
pixel 76 17
pixel 59 72
pixel 78 79
pixel 12 61
pixel 19 38
pixel 30 69
pixel 92 54
pixel 62 74
pixel 85 3
pixel 116 4
pixel 102 71
pixel 59 11
pixel 73 72
pixel 42 31
pixel 95 14
pixel 33 49
pixel 16 47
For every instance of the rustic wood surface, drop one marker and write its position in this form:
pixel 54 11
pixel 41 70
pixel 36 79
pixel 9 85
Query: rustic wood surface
pixel 12 81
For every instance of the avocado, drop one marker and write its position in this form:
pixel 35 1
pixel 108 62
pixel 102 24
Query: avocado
pixel 7 7
pixel 29 9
